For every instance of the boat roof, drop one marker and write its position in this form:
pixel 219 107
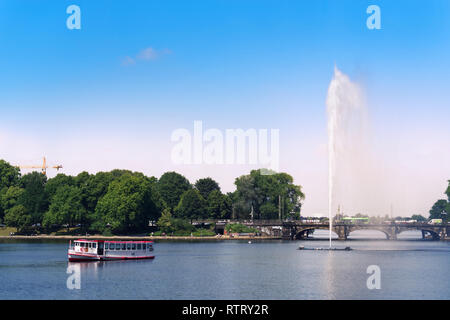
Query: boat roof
pixel 113 241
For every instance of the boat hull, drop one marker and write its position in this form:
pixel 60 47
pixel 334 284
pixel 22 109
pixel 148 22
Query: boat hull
pixel 77 257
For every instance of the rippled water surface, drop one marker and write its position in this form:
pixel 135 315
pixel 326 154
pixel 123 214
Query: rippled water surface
pixel 410 269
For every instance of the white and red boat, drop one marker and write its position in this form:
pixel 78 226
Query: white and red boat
pixel 103 250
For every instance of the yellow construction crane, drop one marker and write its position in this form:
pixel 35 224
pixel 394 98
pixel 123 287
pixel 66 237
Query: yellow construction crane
pixel 43 167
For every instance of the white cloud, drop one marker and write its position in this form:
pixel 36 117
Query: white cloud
pixel 128 61
pixel 147 54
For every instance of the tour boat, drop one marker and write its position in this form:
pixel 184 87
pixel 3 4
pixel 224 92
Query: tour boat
pixel 104 250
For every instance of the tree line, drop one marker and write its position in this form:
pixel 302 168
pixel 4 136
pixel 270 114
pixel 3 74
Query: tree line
pixel 441 208
pixel 122 201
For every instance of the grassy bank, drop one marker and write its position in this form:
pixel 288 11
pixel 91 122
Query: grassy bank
pixel 5 231
pixel 64 234
pixel 99 237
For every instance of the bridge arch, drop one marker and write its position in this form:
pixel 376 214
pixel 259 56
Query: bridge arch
pixel 425 232
pixel 374 231
pixel 434 234
pixel 409 234
pixel 388 231
pixel 304 232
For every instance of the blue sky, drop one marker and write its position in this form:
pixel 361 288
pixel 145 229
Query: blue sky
pixel 231 64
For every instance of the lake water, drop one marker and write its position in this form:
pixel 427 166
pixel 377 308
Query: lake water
pixel 410 269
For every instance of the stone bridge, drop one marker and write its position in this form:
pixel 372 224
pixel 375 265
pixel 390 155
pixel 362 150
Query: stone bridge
pixel 343 230
pixel 297 229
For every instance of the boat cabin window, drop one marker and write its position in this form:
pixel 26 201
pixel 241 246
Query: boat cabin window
pixel 133 246
pixel 94 245
pixel 124 246
pixel 144 246
pixel 106 245
pixel 128 246
pixel 139 246
pixel 117 246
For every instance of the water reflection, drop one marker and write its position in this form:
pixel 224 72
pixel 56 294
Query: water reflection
pixel 368 235
pixel 94 267
pixel 329 275
pixel 74 278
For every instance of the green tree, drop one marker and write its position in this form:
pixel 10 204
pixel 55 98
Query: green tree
pixel 439 210
pixel 171 187
pixel 10 197
pixel 246 196
pixel 266 195
pixel 205 186
pixel 165 222
pixel 218 205
pixel 418 218
pixel 127 206
pixel 191 206
pixel 34 198
pixel 65 208
pixel 53 184
pixel 9 176
pixel 268 210
pixel 18 217
pixel 93 188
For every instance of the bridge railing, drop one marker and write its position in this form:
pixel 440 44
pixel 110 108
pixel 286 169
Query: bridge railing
pixel 254 221
pixel 303 222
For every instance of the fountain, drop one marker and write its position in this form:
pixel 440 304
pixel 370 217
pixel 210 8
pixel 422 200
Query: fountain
pixel 345 109
pixel 345 112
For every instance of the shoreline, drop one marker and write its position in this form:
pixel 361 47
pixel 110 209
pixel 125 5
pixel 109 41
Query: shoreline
pixel 174 238
pixel 93 237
